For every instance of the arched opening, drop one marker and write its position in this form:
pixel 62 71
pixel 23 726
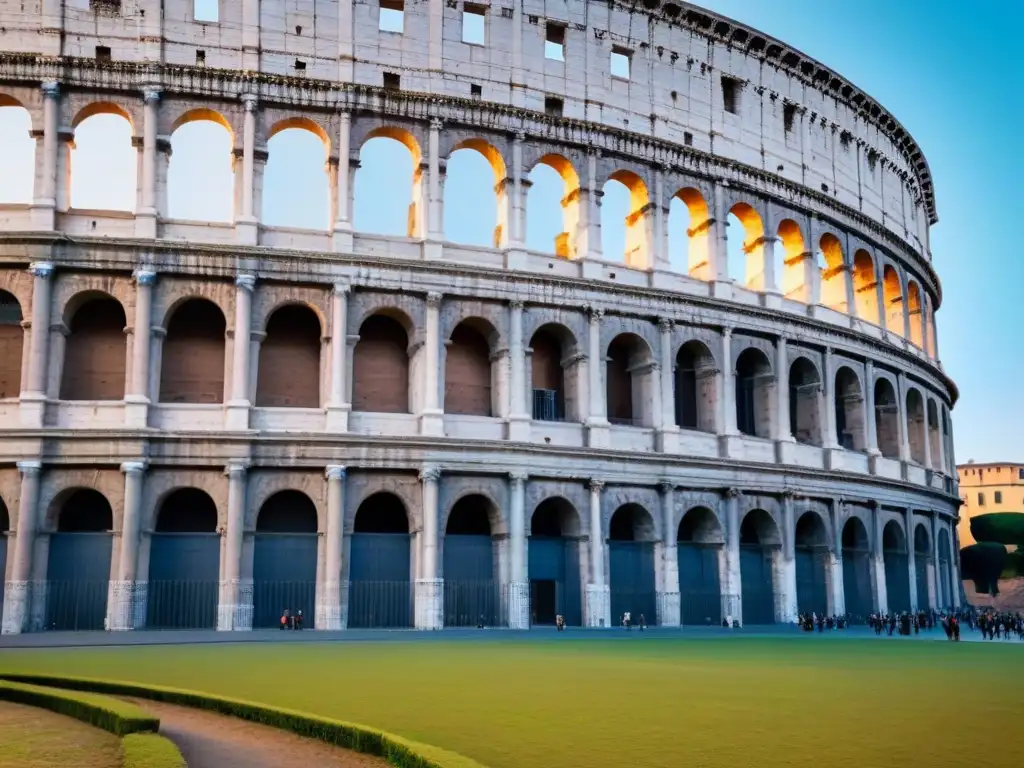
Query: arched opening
pixel 94 352
pixel 895 559
pixel 857 592
pixel 629 381
pixel 745 247
pixel 832 274
pixel 791 273
pixel 917 429
pixel 934 437
pixel 289 368
pixel 915 317
pixel 759 543
pixel 5 526
pixel 554 374
pixel 887 419
pixel 695 387
pixel 849 409
pixel 380 366
pixel 699 550
pixel 811 552
pixel 689 235
pixel 18 156
pixel 192 365
pixel 103 163
pixel 947 442
pixel 804 402
pixel 470 583
pixel 184 563
pixel 78 563
pixel 201 148
pixel 631 538
pixel 554 186
pixel 380 587
pixel 12 337
pixel 284 559
pixel 924 566
pixel 893 292
pixel 474 176
pixel 396 208
pixel 467 370
pixel 625 220
pixel 296 184
pixel 865 287
pixel 930 325
pixel 755 390
pixel 554 563
pixel 945 566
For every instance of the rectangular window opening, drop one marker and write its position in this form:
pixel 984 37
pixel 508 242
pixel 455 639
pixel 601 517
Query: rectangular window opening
pixel 999 497
pixel 300 65
pixel 102 53
pixel 206 10
pixel 201 58
pixel 474 24
pixel 476 91
pixel 687 138
pixel 554 42
pixel 553 106
pixel 981 499
pixel 731 95
pixel 788 116
pixel 620 62
pixel 392 82
pixel 392 16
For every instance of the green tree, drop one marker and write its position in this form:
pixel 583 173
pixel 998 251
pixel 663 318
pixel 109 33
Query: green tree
pixel 983 564
pixel 999 528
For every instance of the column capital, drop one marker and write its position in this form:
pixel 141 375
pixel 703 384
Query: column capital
pixel 50 89
pixel 341 288
pixel 335 472
pixel 246 282
pixel 236 469
pixel 434 299
pixel 30 468
pixel 518 476
pixel 666 486
pixel 42 269
pixel 430 474
pixel 596 313
pixel 732 493
pixel 144 276
pixel 726 332
pixel 516 304
pixel 250 100
pixel 666 324
pixel 436 124
pixel 519 136
pixel 134 467
pixel 595 484
pixel 151 95
pixel 788 494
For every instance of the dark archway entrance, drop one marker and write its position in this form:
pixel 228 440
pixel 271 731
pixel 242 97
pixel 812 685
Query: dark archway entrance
pixel 184 563
pixel 759 538
pixel 922 559
pixel 78 566
pixel 470 589
pixel 380 587
pixel 945 580
pixel 857 571
pixel 284 560
pixel 5 526
pixel 699 544
pixel 897 575
pixel 631 540
pixel 811 552
pixel 554 555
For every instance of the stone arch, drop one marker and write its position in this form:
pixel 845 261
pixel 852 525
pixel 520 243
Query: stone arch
pixel 285 558
pixel 380 563
pixel 865 287
pixel 700 525
pixel 380 364
pixel 297 176
pixel 554 562
pixel 462 177
pixel 396 210
pixel 287 511
pixel 760 540
pixel 755 391
pixel 288 374
pixel 746 257
pixel 893 294
pixel 12 337
pixel 849 410
pixel 469 371
pixel 5 517
pixel 102 149
pixel 632 533
pixel 792 275
pixel 856 552
pixel 688 205
pixel 193 359
pixel 554 373
pixel 887 418
pixel 805 418
pixel 696 387
pixel 915 314
pixel 469 562
pixel 82 510
pixel 553 181
pixel 632 522
pixel 637 247
pixel 917 426
pixel 19 151
pixel 555 516
pixel 186 510
pixel 202 143
pixel 630 374
pixel 832 274
pixel 699 551
pixel 934 436
pixel 95 349
pixel 381 512
pixel 895 559
pixel 810 538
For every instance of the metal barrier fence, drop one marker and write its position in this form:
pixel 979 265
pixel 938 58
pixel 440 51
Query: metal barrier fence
pixel 475 603
pixel 380 604
pixel 71 606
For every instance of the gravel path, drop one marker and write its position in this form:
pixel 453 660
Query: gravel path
pixel 210 740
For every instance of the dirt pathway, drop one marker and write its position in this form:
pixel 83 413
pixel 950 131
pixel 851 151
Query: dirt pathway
pixel 210 740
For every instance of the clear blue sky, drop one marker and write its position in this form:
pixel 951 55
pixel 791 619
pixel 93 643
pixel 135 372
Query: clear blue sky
pixel 939 67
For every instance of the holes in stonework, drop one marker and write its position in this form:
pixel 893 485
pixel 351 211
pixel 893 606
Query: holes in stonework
pixel 300 65
pixel 103 53
pixel 201 58
pixel 392 82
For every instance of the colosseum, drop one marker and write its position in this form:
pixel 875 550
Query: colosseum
pixel 738 412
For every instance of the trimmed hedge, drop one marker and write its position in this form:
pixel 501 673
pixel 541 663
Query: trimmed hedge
pixel 999 527
pixel 398 751
pixel 118 717
pixel 150 750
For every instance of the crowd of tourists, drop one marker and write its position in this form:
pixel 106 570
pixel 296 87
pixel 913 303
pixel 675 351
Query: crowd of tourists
pixel 999 625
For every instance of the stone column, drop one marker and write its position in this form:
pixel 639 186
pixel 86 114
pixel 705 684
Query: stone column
pixel 668 434
pixel 598 593
pixel 341 227
pixel 770 281
pixel 722 284
pixel 18 589
pixel 732 589
pixel 331 593
pixel 519 586
pixel 247 225
pixel 878 560
pixel 659 239
pixel 668 597
pixel 782 426
pixel 429 588
pixel 338 407
pixel 593 202
pixel 934 589
pixel 836 578
pixel 432 417
pixel 45 199
pixel 956 585
pixel 901 409
pixel 870 425
pixel 908 524
pixel 829 439
pixel 235 609
pixel 147 216
pixel 519 416
pixel 238 406
pixel 432 248
pixel 726 421
pixel 136 400
pixel 597 420
pixel 127 591
pixel 517 205
pixel 33 395
pixel 788 597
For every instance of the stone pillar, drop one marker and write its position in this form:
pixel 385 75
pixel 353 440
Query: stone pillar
pixel 127 591
pixel 235 609
pixel 878 559
pixel 870 423
pixel 519 583
pixel 247 225
pixel 732 589
pixel 238 406
pixel 908 524
pixel 659 239
pixel 598 593
pixel 341 228
pixel 956 585
pixel 721 283
pixel 432 248
pixel 429 588
pixel 669 614
pixel 338 407
pixel 901 405
pixel 726 418
pixel 147 216
pixel 18 589
pixel 934 590
pixel 33 395
pixel 432 417
pixel 789 606
pixel 836 579
pixel 519 416
pixel 781 421
pixel 829 439
pixel 517 205
pixel 136 400
pixel 593 202
pixel 44 201
pixel 770 281
pixel 597 420
pixel 668 434
pixel 332 591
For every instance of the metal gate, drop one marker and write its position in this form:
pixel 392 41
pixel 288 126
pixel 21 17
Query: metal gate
pixel 471 595
pixel 283 577
pixel 811 581
pixel 631 580
pixel 4 540
pixel 184 578
pixel 78 580
pixel 557 560
pixel 757 586
pixel 897 581
pixel 921 578
pixel 700 592
pixel 380 592
pixel 857 584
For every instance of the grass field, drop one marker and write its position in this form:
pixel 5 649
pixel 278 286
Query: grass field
pixel 662 702
pixel 35 738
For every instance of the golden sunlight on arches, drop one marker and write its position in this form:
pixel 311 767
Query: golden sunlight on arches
pixel 103 164
pixel 484 219
pixel 201 148
pixel 296 180
pixel 636 222
pixel 399 208
pixel 865 287
pixel 746 248
pixel 894 321
pixel 792 273
pixel 554 184
pixel 832 274
pixel 915 316
pixel 695 237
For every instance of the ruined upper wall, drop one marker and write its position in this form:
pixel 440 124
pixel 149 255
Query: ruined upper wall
pixel 792 117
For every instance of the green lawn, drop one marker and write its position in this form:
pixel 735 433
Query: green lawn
pixel 658 702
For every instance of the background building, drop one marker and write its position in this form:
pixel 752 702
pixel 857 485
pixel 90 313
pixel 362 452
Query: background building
pixel 988 488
